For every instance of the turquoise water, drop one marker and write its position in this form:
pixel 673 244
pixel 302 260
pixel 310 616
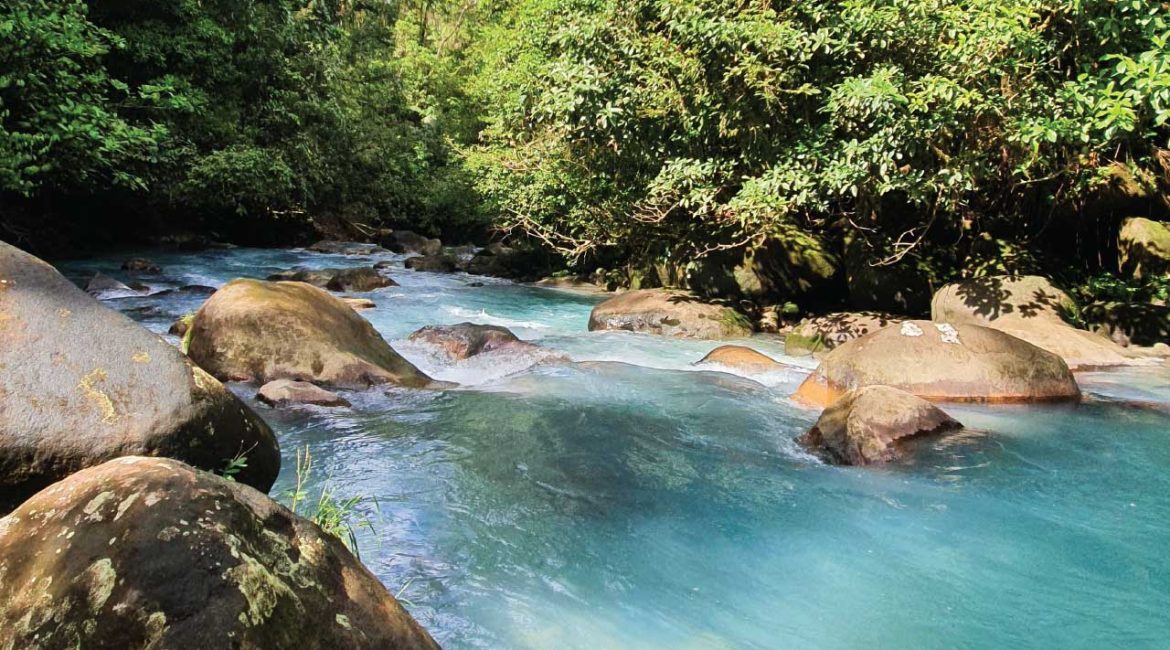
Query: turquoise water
pixel 630 499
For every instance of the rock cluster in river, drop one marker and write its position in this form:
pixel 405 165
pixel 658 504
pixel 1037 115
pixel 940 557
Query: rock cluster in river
pixel 82 384
pixel 150 553
pixel 358 279
pixel 668 313
pixel 465 340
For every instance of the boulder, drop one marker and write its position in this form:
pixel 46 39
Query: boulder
pixel 433 263
pixel 823 333
pixel 866 425
pixel 668 313
pixel 741 358
pixel 942 362
pixel 1031 308
pixel 352 279
pixel 150 553
pixel 581 285
pixel 518 263
pixel 82 383
pixel 359 304
pixel 1144 248
pixel 405 241
pixel 469 339
pixel 103 285
pixel 260 331
pixel 282 392
pixel 346 248
pixel 359 280
pixel 141 265
pixel 1130 323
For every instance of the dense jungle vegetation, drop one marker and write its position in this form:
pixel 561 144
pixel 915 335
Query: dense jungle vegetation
pixel 802 152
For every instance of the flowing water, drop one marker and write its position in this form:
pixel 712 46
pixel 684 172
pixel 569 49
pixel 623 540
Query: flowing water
pixel 630 499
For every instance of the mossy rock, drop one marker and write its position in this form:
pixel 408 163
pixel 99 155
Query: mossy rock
pixel 151 553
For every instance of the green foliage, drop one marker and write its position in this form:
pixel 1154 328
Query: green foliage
pixel 336 516
pixel 235 465
pixel 59 129
pixel 654 128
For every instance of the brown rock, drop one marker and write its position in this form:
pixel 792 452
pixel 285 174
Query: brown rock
pixel 469 339
pixel 866 425
pixel 405 241
pixel 1144 247
pixel 941 362
pixel 668 313
pixel 82 384
pixel 742 358
pixel 433 264
pixel 141 265
pixel 359 280
pixel 823 333
pixel 1031 308
pixel 345 248
pixel 260 331
pixel 149 553
pixel 286 391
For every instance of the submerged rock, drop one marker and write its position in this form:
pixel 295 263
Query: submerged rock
pixel 865 425
pixel 469 339
pixel 668 313
pixel 260 331
pixel 823 333
pixel 741 358
pixel 1144 247
pixel 942 362
pixel 82 383
pixel 286 391
pixel 149 553
pixel 1031 308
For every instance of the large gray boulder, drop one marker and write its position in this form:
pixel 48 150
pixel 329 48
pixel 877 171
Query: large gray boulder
pixel 82 384
pixel 150 553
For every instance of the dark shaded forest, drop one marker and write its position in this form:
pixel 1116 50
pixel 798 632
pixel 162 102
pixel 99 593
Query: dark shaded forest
pixel 795 154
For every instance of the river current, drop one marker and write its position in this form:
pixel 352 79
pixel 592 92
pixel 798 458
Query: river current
pixel 632 500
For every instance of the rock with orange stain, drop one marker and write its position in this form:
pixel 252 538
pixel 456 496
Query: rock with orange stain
pixel 942 362
pixel 742 358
